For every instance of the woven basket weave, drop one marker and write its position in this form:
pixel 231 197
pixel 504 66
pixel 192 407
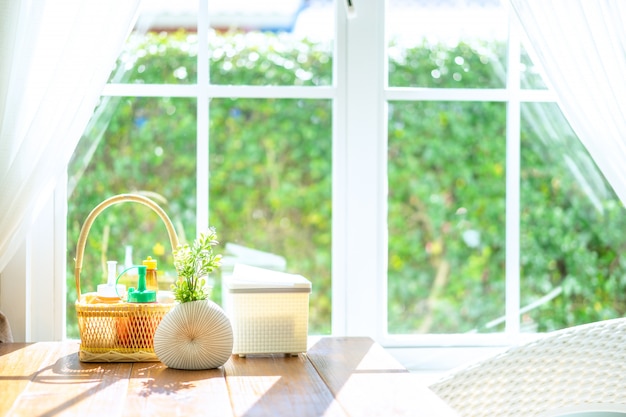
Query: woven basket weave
pixel 119 332
pixel 581 366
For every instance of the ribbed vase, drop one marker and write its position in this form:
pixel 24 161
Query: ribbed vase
pixel 194 335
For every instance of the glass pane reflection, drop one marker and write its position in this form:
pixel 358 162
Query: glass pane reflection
pixel 270 188
pixel 451 44
pixel 446 211
pixel 572 227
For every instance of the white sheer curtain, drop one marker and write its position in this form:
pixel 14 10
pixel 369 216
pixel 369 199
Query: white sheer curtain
pixel 581 45
pixel 55 57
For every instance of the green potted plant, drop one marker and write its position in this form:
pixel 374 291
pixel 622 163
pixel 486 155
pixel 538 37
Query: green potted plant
pixel 193 264
pixel 196 334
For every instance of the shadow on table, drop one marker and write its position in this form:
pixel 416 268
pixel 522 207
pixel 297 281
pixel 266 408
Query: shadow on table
pixel 143 378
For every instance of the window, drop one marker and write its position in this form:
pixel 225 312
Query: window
pixel 246 149
pixel 411 163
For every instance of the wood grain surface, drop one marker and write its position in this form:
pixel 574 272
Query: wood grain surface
pixel 337 377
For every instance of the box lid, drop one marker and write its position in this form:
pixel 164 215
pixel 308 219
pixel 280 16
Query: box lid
pixel 246 278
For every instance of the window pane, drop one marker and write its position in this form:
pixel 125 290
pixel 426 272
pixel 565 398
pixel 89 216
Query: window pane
pixel 530 73
pixel 446 216
pixel 281 43
pixel 289 43
pixel 451 44
pixel 139 145
pixel 162 47
pixel 270 188
pixel 572 228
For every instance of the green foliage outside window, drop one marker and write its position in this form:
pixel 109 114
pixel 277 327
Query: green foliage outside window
pixel 270 186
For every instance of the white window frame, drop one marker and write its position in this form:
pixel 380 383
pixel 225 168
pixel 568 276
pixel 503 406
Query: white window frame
pixel 359 94
pixel 368 93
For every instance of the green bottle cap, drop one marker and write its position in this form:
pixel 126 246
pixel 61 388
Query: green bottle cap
pixel 140 294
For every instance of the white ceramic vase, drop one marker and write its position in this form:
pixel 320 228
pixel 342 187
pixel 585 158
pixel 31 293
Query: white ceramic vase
pixel 194 335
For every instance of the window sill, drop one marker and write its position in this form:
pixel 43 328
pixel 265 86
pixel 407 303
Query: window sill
pixel 434 362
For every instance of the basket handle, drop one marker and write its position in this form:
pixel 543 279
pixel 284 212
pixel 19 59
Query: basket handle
pixel 120 198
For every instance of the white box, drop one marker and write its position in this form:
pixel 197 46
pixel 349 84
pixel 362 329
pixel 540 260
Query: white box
pixel 269 310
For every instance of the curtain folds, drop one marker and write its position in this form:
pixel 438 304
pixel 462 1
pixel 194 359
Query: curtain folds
pixel 581 46
pixel 55 57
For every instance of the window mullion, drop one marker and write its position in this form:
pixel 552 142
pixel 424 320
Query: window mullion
pixel 512 294
pixel 365 179
pixel 202 169
pixel 339 173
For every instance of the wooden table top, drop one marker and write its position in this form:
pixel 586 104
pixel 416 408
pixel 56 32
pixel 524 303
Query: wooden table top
pixel 336 377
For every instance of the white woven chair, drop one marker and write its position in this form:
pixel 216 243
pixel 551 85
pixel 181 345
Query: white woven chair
pixel 579 366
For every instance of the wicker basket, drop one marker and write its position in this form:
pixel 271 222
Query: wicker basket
pixel 119 332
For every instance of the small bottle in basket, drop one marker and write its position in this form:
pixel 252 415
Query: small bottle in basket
pixel 110 292
pixel 151 273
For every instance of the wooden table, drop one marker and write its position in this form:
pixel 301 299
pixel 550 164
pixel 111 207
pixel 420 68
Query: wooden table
pixel 336 377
